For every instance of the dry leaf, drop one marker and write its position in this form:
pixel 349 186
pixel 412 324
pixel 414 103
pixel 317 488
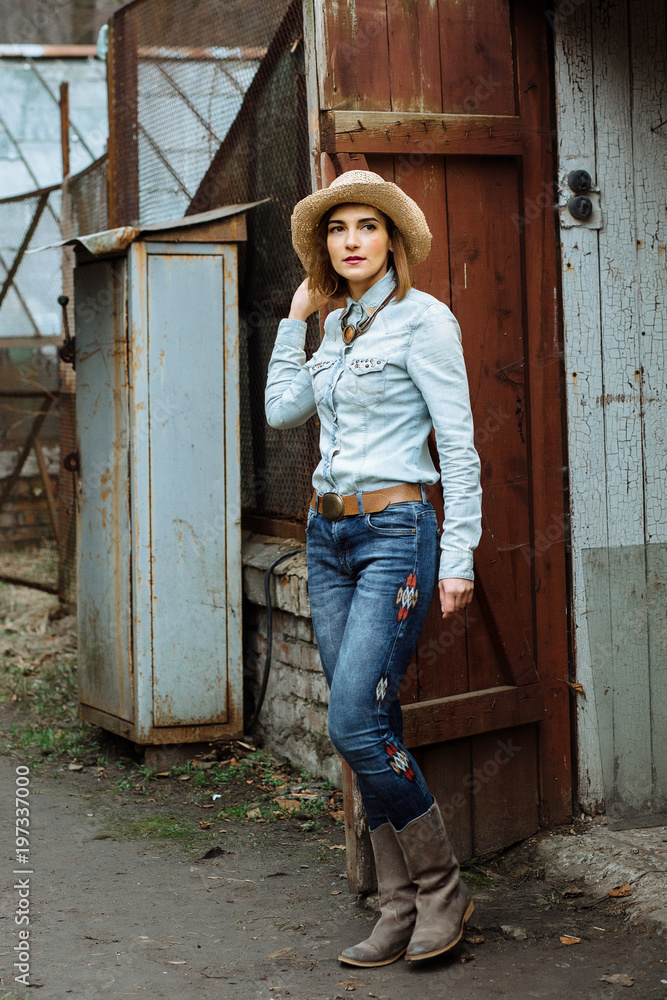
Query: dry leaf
pixel 183 777
pixel 621 890
pixel 579 688
pixel 572 890
pixel 162 774
pixel 474 938
pixel 336 847
pixel 283 951
pixel 337 814
pixel 349 985
pixel 336 892
pixel 254 813
pixel 566 939
pixel 618 979
pixel 207 805
pixel 175 963
pixel 204 824
pixel 467 957
pixel 288 805
pixel 75 767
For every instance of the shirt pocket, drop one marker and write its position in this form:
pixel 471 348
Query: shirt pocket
pixel 320 373
pixel 365 381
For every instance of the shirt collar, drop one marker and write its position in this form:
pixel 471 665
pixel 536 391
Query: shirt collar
pixel 354 312
pixel 377 293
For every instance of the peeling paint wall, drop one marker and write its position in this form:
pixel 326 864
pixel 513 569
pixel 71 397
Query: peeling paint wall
pixel 611 95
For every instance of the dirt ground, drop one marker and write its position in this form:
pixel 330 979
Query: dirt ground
pixel 144 884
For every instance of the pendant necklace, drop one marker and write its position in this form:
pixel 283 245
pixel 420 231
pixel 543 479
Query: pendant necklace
pixel 351 330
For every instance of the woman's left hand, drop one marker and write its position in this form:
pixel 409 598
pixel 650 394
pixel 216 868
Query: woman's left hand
pixel 455 593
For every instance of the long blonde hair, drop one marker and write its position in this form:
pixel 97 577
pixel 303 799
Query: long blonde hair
pixel 324 279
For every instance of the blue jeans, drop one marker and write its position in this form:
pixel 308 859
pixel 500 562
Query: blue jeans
pixel 371 579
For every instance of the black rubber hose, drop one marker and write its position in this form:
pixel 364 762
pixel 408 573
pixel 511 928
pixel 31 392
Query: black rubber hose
pixel 269 634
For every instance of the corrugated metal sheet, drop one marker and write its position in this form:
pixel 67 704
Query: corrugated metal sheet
pixel 115 240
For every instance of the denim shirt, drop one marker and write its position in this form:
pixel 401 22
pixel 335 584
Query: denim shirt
pixel 377 399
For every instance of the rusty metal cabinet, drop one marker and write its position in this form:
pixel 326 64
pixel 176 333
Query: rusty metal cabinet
pixel 159 543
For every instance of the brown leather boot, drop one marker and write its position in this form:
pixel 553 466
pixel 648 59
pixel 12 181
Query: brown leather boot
pixel 443 900
pixel 392 932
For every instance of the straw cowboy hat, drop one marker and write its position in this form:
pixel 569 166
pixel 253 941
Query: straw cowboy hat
pixel 361 187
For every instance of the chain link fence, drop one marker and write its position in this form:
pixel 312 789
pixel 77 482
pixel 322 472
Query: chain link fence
pixel 208 108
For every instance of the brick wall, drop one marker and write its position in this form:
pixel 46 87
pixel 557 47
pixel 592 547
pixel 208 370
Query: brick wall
pixel 293 720
pixel 24 517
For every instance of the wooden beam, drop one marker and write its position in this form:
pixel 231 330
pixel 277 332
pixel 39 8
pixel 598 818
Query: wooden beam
pixel 358 848
pixel 30 51
pixel 34 340
pixel 263 525
pixel 48 486
pixel 418 132
pixel 64 125
pixel 350 161
pixel 544 405
pixel 8 483
pixel 467 714
pixel 123 103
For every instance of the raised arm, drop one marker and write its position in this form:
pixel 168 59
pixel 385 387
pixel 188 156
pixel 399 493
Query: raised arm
pixel 288 397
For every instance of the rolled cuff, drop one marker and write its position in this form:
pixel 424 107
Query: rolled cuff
pixel 456 563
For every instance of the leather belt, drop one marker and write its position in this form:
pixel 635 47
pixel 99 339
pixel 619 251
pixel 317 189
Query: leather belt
pixel 334 506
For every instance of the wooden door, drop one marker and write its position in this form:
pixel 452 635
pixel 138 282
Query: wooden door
pixel 451 101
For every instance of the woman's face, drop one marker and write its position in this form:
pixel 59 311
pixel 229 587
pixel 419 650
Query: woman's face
pixel 358 244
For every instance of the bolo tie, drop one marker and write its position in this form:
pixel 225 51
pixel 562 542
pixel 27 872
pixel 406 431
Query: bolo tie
pixel 352 330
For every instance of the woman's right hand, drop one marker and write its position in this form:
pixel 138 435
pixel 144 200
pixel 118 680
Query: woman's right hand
pixel 304 303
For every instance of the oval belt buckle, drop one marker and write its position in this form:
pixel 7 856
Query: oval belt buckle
pixel 333 507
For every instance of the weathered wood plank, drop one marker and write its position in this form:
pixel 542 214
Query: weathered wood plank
pixel 446 768
pixel 500 766
pixel 621 401
pixel 432 134
pixel 461 715
pixel 544 409
pixel 648 53
pixel 353 56
pixel 575 110
pixel 476 56
pixel 414 56
pixel 487 299
pixel 123 151
pixel 359 852
pixel 501 611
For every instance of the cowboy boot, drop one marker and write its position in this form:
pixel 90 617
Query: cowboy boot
pixel 443 901
pixel 392 932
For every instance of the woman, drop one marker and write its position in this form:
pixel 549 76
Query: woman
pixel 390 366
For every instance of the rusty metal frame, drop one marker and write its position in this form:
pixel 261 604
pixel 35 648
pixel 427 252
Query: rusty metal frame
pixel 30 232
